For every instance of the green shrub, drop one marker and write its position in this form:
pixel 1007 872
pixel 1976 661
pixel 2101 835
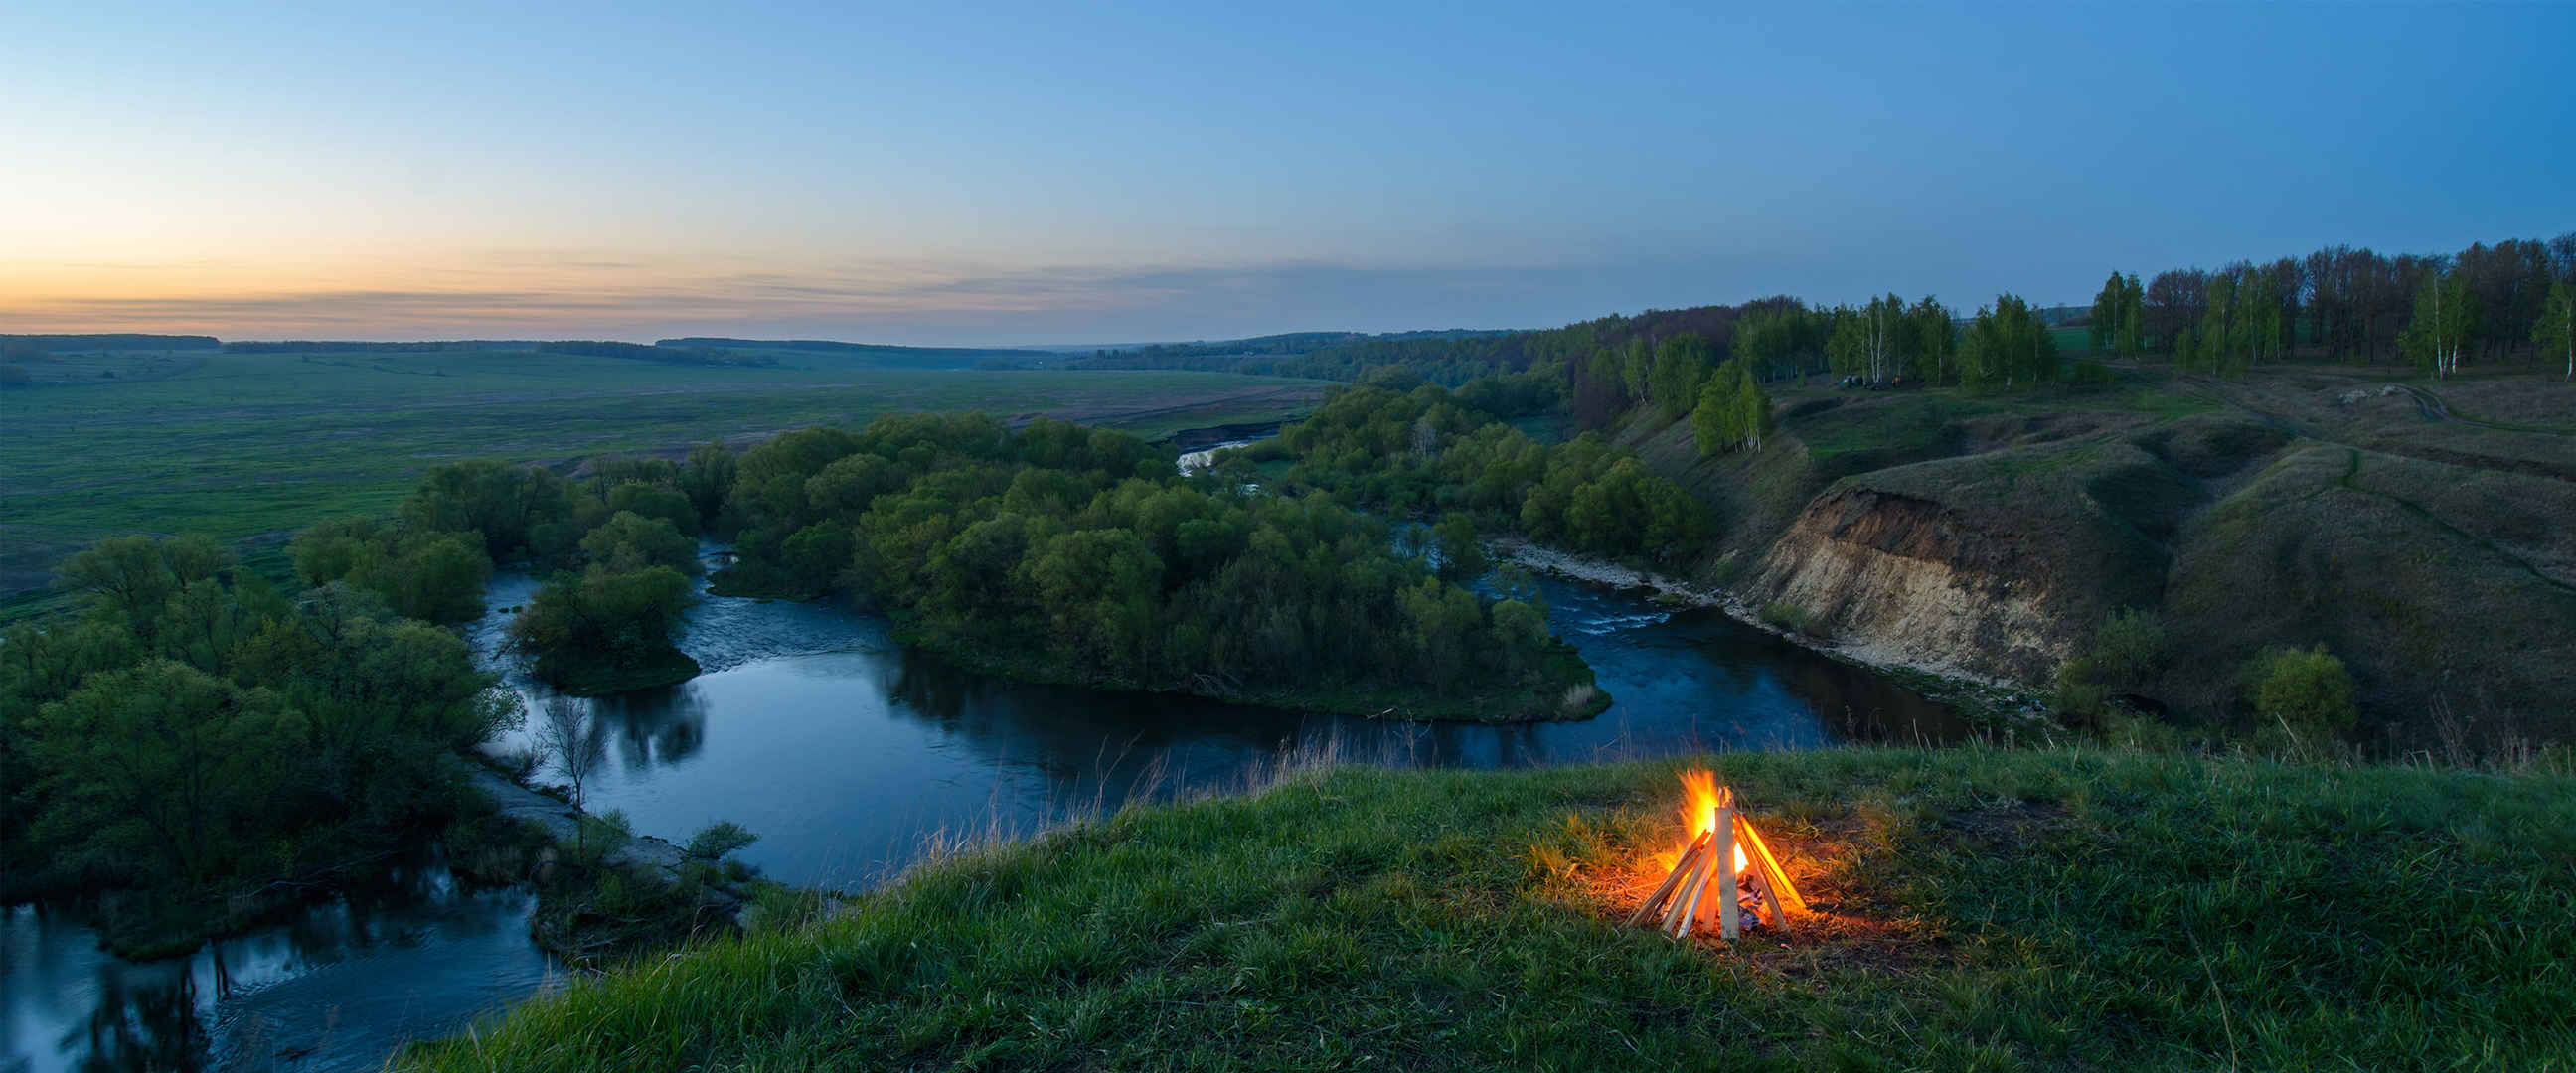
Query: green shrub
pixel 2082 700
pixel 1787 616
pixel 715 841
pixel 1727 570
pixel 2128 650
pixel 598 838
pixel 2305 691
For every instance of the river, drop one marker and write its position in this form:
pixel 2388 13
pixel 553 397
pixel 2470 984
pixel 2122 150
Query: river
pixel 845 750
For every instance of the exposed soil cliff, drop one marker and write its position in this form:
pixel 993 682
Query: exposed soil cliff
pixel 1899 579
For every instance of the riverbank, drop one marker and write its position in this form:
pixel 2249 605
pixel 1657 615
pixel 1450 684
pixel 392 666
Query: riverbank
pixel 1976 907
pixel 1997 704
pixel 604 893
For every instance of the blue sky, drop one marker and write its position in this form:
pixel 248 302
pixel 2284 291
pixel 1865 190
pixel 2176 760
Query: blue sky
pixel 1045 173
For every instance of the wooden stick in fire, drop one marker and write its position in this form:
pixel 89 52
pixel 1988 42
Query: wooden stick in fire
pixel 1671 880
pixel 1729 912
pixel 1677 920
pixel 1784 895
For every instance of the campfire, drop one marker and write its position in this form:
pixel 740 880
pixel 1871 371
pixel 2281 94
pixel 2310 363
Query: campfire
pixel 1726 875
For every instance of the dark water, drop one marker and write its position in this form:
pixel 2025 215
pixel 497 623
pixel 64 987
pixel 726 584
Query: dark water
pixel 413 954
pixel 845 751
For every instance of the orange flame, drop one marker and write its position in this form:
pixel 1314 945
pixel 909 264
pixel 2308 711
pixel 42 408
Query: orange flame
pixel 1700 799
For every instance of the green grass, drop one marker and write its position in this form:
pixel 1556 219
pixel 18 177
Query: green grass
pixel 1981 909
pixel 240 445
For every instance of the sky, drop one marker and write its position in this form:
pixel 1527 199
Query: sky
pixel 1059 173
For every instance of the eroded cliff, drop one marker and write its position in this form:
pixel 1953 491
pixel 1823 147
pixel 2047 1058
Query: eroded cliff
pixel 1907 580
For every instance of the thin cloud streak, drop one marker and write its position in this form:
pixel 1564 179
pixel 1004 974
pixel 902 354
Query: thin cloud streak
pixel 592 296
pixel 614 295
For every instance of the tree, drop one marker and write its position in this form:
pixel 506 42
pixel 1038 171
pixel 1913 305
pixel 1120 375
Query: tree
pixel 602 620
pixel 707 477
pixel 1935 341
pixel 1681 364
pixel 1883 337
pixel 1462 558
pixel 1846 349
pixel 521 511
pixel 2006 345
pixel 1733 411
pixel 2104 326
pixel 1636 365
pixel 165 760
pixel 2131 335
pixel 2174 302
pixel 436 577
pixel 2555 332
pixel 628 542
pixel 656 501
pixel 2442 324
pixel 131 577
pixel 563 739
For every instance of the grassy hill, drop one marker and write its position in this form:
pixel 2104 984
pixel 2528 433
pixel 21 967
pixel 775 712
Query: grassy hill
pixel 250 446
pixel 1981 909
pixel 2415 527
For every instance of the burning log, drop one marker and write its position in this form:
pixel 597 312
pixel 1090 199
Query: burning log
pixel 1727 853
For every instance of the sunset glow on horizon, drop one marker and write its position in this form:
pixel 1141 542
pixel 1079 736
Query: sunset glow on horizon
pixel 902 175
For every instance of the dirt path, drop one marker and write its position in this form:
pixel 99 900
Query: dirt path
pixel 2427 403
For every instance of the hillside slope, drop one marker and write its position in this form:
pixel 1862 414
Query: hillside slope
pixel 2070 909
pixel 2422 540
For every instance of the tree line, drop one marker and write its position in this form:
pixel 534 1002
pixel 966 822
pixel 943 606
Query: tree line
pixel 2484 304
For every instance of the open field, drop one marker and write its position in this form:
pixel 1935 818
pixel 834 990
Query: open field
pixel 1979 909
pixel 253 446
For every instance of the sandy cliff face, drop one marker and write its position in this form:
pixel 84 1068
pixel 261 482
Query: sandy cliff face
pixel 1899 579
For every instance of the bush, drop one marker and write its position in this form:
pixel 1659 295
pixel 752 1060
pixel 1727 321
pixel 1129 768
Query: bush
pixel 1787 616
pixel 2082 701
pixel 714 841
pixel 1728 569
pixel 2128 650
pixel 2306 692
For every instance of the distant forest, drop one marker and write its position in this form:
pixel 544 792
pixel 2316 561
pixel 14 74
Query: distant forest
pixel 2336 304
pixel 81 344
pixel 1322 355
pixel 945 354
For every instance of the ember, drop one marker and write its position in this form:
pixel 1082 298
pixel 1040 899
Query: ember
pixel 1725 855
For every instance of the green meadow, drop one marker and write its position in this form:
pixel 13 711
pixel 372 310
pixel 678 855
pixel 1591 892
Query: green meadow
pixel 249 447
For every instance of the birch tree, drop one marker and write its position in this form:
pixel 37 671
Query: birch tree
pixel 2104 326
pixel 2556 329
pixel 2444 313
pixel 2131 335
pixel 1882 328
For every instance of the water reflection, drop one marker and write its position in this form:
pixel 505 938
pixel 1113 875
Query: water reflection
pixel 335 986
pixel 845 752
